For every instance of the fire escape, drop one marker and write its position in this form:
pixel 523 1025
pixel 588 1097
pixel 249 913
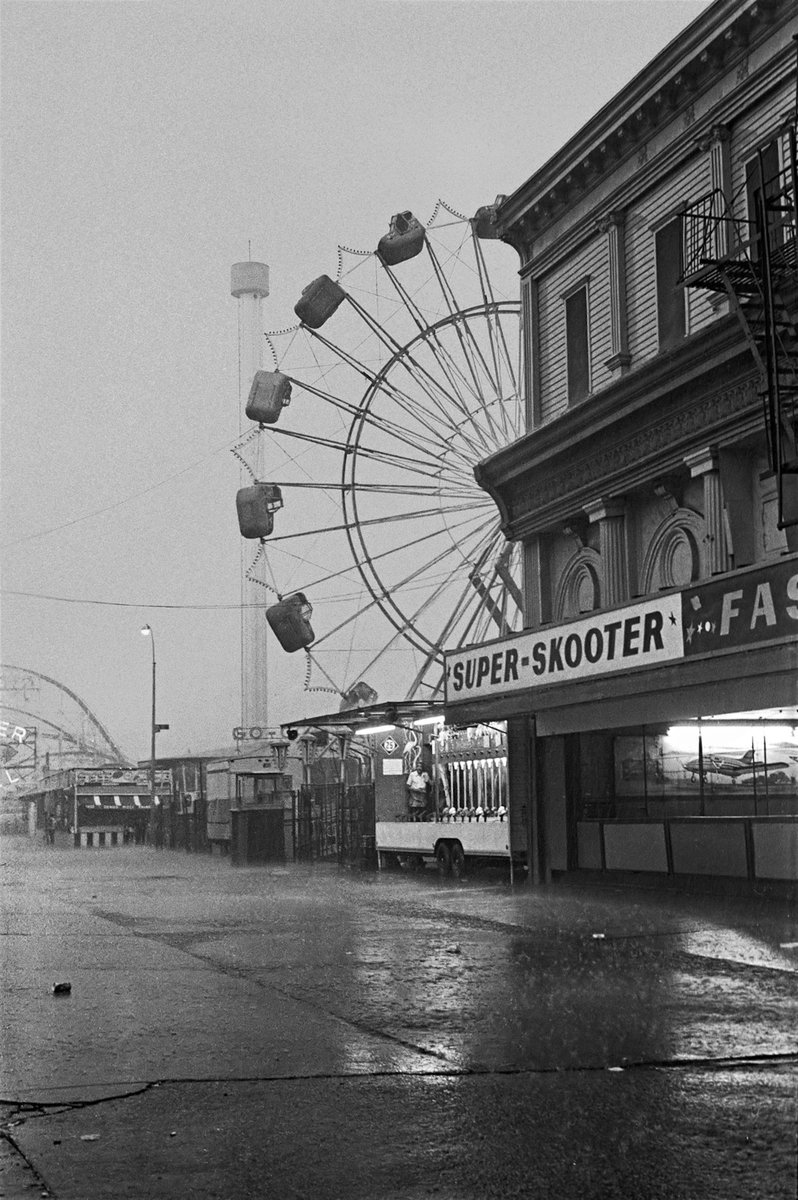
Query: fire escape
pixel 750 256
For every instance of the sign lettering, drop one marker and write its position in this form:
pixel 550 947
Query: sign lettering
pixel 744 610
pixel 753 608
pixel 646 635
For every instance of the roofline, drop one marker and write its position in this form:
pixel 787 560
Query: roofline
pixel 682 49
pixel 393 712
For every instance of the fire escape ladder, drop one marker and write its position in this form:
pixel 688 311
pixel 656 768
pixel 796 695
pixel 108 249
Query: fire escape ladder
pixel 753 261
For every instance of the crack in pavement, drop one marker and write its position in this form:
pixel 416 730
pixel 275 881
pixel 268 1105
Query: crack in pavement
pixel 21 1111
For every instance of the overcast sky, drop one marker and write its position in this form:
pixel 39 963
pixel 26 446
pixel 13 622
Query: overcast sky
pixel 147 147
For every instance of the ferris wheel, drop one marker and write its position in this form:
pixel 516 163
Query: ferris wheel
pixel 377 548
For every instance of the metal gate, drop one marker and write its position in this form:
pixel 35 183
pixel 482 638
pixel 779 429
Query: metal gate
pixel 334 822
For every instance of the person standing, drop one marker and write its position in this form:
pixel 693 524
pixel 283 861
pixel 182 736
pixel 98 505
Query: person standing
pixel 418 782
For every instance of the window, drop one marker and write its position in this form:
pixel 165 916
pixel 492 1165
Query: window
pixel 671 324
pixel 577 347
pixel 758 175
pixel 722 767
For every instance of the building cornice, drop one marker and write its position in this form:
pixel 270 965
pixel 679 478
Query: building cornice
pixel 722 36
pixel 638 429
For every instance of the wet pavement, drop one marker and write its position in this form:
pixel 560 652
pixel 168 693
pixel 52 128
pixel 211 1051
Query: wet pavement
pixel 308 1032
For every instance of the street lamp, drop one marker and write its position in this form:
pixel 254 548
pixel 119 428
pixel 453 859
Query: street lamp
pixel 155 728
pixel 147 632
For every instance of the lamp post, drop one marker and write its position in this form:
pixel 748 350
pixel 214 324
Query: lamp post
pixel 147 632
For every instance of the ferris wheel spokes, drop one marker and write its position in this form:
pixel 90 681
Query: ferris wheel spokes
pixel 383 424
pixel 430 470
pixel 451 370
pixel 438 395
pixel 472 351
pixel 433 650
pixel 404 401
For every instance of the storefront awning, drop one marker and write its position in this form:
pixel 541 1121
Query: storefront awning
pixel 108 801
pixel 357 720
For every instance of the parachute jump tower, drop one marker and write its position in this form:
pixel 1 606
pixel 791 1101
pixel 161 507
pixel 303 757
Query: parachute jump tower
pixel 249 283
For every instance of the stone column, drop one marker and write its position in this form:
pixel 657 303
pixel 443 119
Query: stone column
pixel 613 225
pixel 611 517
pixel 703 464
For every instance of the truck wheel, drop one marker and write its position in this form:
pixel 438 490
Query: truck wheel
pixel 458 860
pixel 443 857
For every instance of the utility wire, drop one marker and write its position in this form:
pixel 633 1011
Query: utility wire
pixel 29 537
pixel 123 603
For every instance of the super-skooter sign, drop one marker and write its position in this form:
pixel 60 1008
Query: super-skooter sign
pixel 642 635
pixel 734 612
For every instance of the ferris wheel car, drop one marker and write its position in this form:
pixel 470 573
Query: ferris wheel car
pixel 290 621
pixel 403 240
pixel 358 696
pixel 256 507
pixel 319 301
pixel 418 381
pixel 484 219
pixel 268 396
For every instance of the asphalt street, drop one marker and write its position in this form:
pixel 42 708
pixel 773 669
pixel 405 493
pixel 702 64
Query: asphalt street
pixel 294 1031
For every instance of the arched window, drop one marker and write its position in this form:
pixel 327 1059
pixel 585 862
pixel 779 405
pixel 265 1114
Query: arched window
pixel 578 590
pixel 673 557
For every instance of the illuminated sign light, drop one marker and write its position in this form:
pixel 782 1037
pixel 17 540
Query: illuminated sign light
pixel 13 733
pixel 17 734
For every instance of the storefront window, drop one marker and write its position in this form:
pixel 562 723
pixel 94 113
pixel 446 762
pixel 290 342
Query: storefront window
pixel 735 765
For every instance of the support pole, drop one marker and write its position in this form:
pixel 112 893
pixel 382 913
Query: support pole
pixel 249 283
pixel 533 824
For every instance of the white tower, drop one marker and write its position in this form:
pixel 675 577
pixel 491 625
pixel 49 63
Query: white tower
pixel 249 283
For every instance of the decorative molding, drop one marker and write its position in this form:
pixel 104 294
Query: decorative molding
pixel 577 527
pixel 718 133
pixel 701 461
pixel 671 488
pixel 682 531
pixel 613 227
pixel 611 220
pixel 608 456
pixel 618 362
pixel 668 86
pixel 580 575
pixel 605 508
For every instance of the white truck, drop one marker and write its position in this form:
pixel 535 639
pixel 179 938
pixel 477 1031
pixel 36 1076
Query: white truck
pixel 468 807
pixel 447 841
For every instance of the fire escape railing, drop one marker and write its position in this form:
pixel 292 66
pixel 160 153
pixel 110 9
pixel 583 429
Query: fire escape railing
pixel 752 259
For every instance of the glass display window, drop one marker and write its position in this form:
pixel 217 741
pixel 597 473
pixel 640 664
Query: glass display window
pixel 743 764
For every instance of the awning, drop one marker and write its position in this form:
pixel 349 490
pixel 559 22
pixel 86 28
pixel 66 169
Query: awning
pixel 355 720
pixel 123 802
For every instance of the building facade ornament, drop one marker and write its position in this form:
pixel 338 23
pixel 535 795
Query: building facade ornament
pixel 676 93
pixel 608 456
pixel 613 224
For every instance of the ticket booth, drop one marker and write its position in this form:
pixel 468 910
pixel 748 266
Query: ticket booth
pixel 260 815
